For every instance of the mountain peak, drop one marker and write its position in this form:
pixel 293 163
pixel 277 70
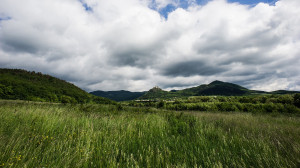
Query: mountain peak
pixel 216 82
pixel 155 89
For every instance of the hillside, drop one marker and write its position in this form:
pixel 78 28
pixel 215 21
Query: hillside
pixel 157 92
pixel 121 95
pixel 217 88
pixel 284 92
pixel 19 84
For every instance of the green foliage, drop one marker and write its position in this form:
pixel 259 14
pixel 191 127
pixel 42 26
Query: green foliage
pixel 226 107
pixel 23 85
pixel 252 104
pixel 5 91
pixel 161 104
pixel 181 124
pixel 121 95
pixel 67 99
pixel 218 88
pixel 297 100
pixel 214 88
pixel 92 135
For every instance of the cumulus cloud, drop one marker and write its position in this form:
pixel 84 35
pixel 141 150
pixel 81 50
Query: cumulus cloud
pixel 112 45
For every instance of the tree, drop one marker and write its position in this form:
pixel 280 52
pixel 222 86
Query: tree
pixel 66 99
pixel 5 91
pixel 160 104
pixel 297 100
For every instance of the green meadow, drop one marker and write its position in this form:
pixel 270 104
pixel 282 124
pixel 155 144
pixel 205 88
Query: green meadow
pixel 65 135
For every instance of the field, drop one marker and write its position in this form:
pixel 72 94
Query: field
pixel 57 135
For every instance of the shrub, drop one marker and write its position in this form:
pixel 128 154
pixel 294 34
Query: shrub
pixel 226 107
pixel 67 99
pixel 297 100
pixel 161 104
pixel 291 109
pixel 285 99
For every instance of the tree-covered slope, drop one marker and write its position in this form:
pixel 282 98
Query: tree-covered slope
pixel 157 92
pixel 218 88
pixel 214 88
pixel 24 85
pixel 284 92
pixel 121 95
pixel 222 88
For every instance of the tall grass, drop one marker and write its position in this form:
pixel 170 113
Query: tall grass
pixel 54 135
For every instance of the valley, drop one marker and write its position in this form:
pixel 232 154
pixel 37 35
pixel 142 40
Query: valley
pixel 47 122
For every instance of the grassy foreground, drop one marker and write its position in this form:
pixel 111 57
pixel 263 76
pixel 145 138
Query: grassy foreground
pixel 55 135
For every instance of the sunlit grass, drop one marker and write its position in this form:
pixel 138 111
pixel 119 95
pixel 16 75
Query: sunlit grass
pixel 55 135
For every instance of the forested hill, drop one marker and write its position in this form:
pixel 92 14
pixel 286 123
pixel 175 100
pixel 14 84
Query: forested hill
pixel 20 84
pixel 121 95
pixel 214 88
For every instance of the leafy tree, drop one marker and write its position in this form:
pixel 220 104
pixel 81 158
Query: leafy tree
pixel 161 104
pixel 297 100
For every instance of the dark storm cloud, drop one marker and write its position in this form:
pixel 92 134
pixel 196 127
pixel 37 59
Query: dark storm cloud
pixel 192 68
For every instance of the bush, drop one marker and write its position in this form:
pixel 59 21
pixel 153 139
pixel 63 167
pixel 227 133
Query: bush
pixel 67 99
pixel 297 100
pixel 285 99
pixel 291 109
pixel 161 104
pixel 119 107
pixel 226 107
pixel 269 108
pixel 254 108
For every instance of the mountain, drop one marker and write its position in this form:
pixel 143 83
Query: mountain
pixel 284 92
pixel 214 88
pixel 18 84
pixel 218 88
pixel 157 92
pixel 121 95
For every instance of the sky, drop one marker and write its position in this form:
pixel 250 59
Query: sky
pixel 137 44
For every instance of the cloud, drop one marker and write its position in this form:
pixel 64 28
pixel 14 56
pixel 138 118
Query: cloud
pixel 190 68
pixel 114 45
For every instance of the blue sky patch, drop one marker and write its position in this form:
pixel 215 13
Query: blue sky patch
pixel 184 4
pixel 4 18
pixel 253 2
pixel 85 5
pixel 166 10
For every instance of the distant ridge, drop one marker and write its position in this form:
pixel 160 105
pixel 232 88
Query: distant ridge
pixel 18 84
pixel 217 88
pixel 121 95
pixel 284 92
pixel 221 88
